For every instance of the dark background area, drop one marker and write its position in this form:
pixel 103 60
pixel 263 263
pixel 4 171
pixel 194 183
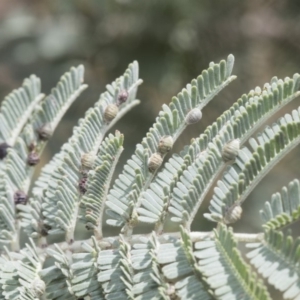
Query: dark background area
pixel 173 40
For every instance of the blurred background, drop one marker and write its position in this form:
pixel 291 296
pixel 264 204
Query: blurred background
pixel 173 40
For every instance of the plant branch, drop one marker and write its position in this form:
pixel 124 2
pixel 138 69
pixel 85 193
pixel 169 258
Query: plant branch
pixel 267 169
pixel 113 242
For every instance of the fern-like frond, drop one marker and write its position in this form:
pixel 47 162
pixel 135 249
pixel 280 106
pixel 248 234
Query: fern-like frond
pixel 277 260
pixel 13 183
pixel 69 87
pixel 21 159
pixel 148 280
pixel 60 205
pixel 187 195
pixel 7 213
pixel 259 109
pixel 17 108
pixel 98 182
pixel 272 145
pixel 172 120
pixel 284 207
pixel 16 170
pixel 47 116
pixel 115 272
pixel 179 266
pixel 75 186
pixel 201 174
pixel 227 274
pixel 57 277
pixel 155 199
pixel 202 161
pixel 84 273
pixel 65 176
pixel 19 275
pixel 3 262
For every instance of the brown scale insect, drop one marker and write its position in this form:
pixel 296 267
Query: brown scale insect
pixel 154 162
pixel 20 197
pixel 33 159
pixel 82 182
pixel 3 150
pixel 122 97
pixel 110 112
pixel 45 229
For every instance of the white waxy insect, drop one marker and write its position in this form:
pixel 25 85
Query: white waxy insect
pixel 88 160
pixel 230 151
pixel 38 287
pixel 193 116
pixel 165 144
pixel 233 214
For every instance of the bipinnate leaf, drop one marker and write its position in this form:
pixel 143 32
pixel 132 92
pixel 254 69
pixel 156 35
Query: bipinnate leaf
pixel 19 275
pixel 17 108
pixel 226 272
pixel 268 149
pixel 276 258
pixel 284 207
pixel 93 201
pixel 127 195
pixel 183 183
pixel 63 180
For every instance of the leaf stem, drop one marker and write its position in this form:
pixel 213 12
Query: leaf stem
pixel 113 242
